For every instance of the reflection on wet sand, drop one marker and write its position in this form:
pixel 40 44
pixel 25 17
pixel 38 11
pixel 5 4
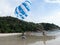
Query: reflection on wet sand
pixel 46 38
pixel 43 38
pixel 17 40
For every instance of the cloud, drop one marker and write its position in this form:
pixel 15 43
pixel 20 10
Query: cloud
pixel 52 18
pixel 7 7
pixel 52 1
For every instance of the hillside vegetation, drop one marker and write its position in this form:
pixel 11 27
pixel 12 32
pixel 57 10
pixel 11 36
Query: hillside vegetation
pixel 14 25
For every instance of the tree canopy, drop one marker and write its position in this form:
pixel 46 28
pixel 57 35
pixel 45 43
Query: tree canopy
pixel 14 25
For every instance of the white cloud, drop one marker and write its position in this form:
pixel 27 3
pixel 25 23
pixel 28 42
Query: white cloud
pixel 52 1
pixel 53 18
pixel 7 8
pixel 0 12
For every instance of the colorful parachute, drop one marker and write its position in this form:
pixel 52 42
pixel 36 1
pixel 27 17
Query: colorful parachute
pixel 21 10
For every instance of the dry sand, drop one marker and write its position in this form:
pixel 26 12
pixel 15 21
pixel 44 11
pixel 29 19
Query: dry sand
pixel 9 34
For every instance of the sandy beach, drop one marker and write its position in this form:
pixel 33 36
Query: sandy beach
pixel 9 34
pixel 13 34
pixel 34 39
pixel 31 33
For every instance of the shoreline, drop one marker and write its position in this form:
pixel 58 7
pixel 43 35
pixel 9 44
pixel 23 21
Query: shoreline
pixel 9 34
pixel 14 34
pixel 30 33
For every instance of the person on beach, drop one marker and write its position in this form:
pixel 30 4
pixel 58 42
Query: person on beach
pixel 23 36
pixel 43 33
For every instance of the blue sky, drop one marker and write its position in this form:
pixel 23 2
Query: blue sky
pixel 41 10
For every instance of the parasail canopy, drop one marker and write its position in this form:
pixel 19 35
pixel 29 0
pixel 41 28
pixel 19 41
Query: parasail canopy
pixel 22 10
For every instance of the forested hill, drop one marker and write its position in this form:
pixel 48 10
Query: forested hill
pixel 14 25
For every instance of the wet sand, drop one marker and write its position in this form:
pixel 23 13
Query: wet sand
pixel 16 39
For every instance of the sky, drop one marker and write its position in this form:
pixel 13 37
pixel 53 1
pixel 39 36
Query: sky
pixel 47 11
